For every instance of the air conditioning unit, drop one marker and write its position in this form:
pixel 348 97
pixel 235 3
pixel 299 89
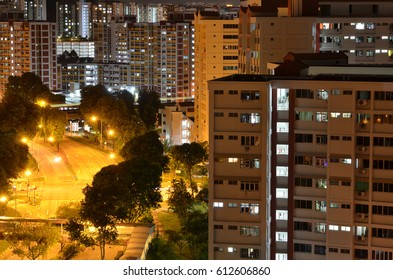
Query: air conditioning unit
pixel 362 171
pixel 361 238
pixel 246 148
pixel 361 194
pixel 362 148
pixel 361 216
pixel 362 102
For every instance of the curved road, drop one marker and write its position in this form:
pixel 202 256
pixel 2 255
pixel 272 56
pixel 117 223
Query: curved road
pixel 61 176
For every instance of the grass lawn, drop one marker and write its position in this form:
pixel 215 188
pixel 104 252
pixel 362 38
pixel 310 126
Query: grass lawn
pixel 3 246
pixel 169 221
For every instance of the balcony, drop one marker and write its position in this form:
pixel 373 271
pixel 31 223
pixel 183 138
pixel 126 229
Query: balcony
pixel 360 240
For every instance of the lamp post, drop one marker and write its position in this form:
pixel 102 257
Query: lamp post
pixel 3 200
pixel 34 188
pixel 111 133
pixel 28 173
pixel 14 187
pixel 94 119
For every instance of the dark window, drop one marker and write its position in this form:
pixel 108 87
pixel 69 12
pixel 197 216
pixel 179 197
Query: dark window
pixel 304 248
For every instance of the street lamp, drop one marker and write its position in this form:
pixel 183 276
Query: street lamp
pixel 94 119
pixel 111 133
pixel 14 187
pixel 41 103
pixel 28 173
pixel 3 199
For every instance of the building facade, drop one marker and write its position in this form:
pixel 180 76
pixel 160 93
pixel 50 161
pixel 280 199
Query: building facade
pixel 176 122
pixel 300 168
pixel 28 47
pixel 216 55
pixel 362 30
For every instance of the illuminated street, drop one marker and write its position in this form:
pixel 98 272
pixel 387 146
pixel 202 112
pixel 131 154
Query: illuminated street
pixel 62 176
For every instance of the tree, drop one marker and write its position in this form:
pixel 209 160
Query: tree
pixel 30 87
pixel 178 238
pixel 146 146
pixel 32 239
pixel 123 192
pixel 148 104
pixel 100 206
pixel 203 195
pixel 68 210
pixel 89 98
pixel 196 228
pixel 142 181
pixel 54 123
pixel 160 249
pixel 13 158
pixel 19 114
pixel 179 199
pixel 189 154
pixel 113 110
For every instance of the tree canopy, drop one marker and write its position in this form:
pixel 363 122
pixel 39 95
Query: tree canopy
pixel 53 124
pixel 147 146
pixel 189 154
pixel 13 158
pixel 30 86
pixel 31 239
pixel 115 111
pixel 179 199
pixel 120 193
pixel 148 104
pixel 18 113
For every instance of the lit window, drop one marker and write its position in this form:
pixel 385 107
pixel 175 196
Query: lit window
pixel 231 249
pixel 281 256
pixel 345 228
pixel 249 208
pixel 282 171
pixel 281 193
pixel 282 236
pixel 231 160
pixel 218 204
pixel 333 227
pixel 282 149
pixel 282 215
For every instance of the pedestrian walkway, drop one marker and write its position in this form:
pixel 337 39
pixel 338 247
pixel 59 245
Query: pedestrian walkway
pixel 159 227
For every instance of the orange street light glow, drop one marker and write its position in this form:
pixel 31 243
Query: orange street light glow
pixel 42 103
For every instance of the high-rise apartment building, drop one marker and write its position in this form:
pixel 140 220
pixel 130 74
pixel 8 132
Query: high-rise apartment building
pixel 35 10
pixel 216 55
pixel 153 12
pixel 361 29
pixel 28 47
pixel 158 56
pixel 300 167
pixel 161 58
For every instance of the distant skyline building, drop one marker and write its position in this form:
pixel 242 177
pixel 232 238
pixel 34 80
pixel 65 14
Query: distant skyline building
pixel 362 30
pixel 35 9
pixel 216 55
pixel 30 47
